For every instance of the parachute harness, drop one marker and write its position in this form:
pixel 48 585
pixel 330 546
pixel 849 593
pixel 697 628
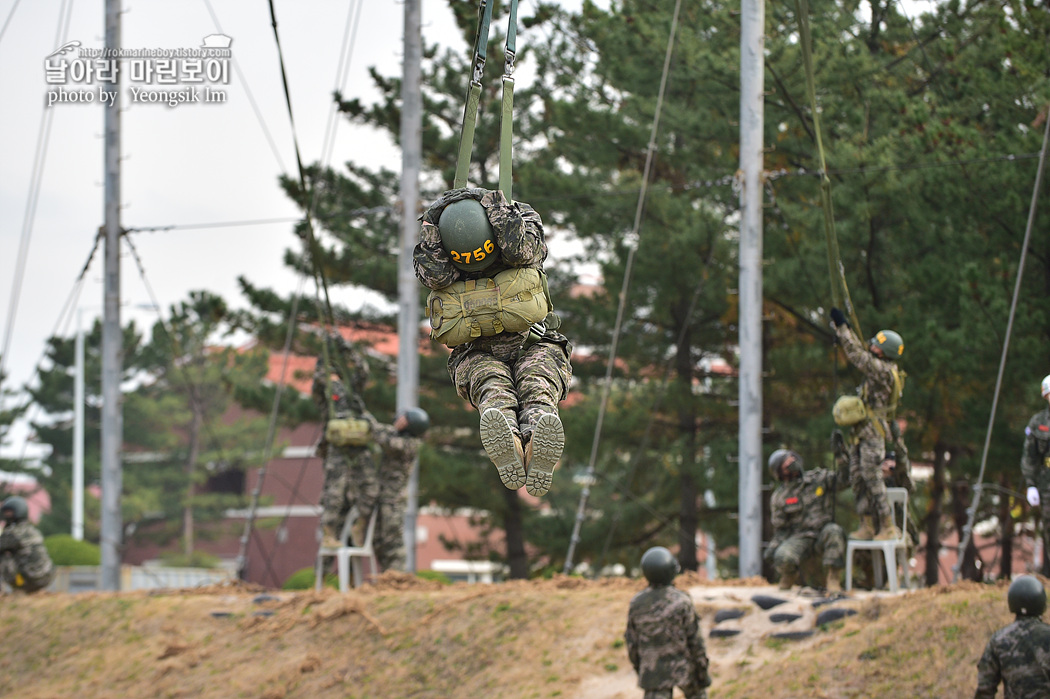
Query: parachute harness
pixel 470 110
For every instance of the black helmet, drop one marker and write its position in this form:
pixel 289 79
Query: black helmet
pixel 659 566
pixel 466 235
pixel 1026 597
pixel 782 456
pixel 418 421
pixel 14 509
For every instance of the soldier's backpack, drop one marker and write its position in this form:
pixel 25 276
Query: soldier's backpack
pixel 511 301
pixel 851 410
pixel 348 432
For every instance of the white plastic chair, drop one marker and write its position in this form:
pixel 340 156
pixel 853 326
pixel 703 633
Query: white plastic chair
pixel 893 550
pixel 346 556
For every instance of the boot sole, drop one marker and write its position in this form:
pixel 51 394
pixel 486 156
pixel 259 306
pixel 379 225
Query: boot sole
pixel 498 439
pixel 548 440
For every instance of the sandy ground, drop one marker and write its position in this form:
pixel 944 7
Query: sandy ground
pixel 732 655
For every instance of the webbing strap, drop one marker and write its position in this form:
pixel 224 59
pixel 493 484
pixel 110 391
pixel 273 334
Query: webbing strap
pixel 470 109
pixel 506 137
pixel 466 138
pixel 839 288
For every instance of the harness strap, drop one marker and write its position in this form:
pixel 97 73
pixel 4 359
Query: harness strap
pixel 470 109
pixel 506 117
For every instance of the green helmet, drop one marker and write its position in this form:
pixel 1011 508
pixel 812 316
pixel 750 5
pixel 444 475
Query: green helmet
pixel 782 456
pixel 14 509
pixel 659 566
pixel 1026 596
pixel 466 235
pixel 418 421
pixel 889 342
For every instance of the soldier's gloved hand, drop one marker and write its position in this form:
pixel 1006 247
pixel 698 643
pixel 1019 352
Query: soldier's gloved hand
pixel 1033 496
pixel 838 317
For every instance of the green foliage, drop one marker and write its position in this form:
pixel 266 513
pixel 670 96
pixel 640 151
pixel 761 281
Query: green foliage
pixel 929 127
pixel 196 559
pixel 434 575
pixel 64 550
pixel 304 578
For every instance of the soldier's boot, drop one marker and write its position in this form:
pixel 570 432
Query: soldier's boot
pixel 542 454
pixel 834 576
pixel 503 447
pixel 866 530
pixel 887 529
pixel 787 578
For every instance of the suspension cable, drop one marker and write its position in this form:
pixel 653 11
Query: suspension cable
pixel 606 386
pixel 971 512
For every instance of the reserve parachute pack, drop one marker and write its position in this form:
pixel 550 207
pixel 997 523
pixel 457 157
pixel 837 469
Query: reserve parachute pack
pixel 849 410
pixel 511 301
pixel 852 410
pixel 348 432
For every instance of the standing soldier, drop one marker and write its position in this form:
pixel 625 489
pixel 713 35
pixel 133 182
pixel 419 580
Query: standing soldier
pixel 24 562
pixel 869 416
pixel 1035 467
pixel 349 461
pixel 663 633
pixel 1017 654
pixel 400 447
pixel 803 524
pixel 482 256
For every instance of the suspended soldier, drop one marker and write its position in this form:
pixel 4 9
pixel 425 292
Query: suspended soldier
pixel 869 416
pixel 663 636
pixel 801 512
pixel 482 256
pixel 1018 655
pixel 1035 467
pixel 24 562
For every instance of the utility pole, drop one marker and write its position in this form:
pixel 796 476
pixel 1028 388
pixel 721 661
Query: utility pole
pixel 112 338
pixel 407 287
pixel 78 433
pixel 752 75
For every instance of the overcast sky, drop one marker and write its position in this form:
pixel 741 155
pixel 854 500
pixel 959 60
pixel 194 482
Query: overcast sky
pixel 187 165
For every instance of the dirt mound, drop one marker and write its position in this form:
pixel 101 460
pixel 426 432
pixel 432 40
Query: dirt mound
pixel 562 637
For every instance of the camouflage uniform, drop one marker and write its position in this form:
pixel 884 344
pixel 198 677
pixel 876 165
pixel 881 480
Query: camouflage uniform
pixel 664 643
pixel 868 437
pixel 349 471
pixel 500 371
pixel 24 562
pixel 1035 467
pixel 801 515
pixel 1019 656
pixel 399 455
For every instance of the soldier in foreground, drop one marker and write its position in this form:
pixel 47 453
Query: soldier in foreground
pixel 802 519
pixel 870 417
pixel 24 562
pixel 1035 467
pixel 1018 655
pixel 482 256
pixel 663 636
